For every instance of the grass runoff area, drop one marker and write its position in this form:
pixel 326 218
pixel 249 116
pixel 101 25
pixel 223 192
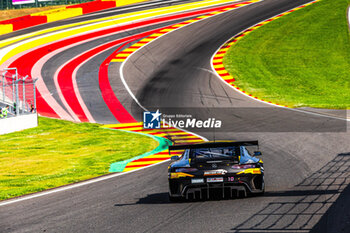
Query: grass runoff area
pixel 60 152
pixel 299 60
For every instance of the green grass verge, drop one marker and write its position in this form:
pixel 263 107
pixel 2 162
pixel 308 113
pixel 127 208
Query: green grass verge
pixel 302 59
pixel 60 152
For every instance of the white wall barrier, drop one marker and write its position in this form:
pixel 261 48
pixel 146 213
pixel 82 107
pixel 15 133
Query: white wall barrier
pixel 13 124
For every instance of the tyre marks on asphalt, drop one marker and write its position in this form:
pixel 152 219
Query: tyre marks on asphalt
pixel 123 55
pixel 69 104
pixel 65 77
pixel 47 105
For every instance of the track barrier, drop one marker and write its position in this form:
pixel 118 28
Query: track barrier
pixel 10 25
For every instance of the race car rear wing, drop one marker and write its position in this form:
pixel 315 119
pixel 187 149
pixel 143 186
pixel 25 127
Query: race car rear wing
pixel 213 145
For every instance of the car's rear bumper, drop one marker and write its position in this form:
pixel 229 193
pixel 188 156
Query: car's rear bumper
pixel 240 187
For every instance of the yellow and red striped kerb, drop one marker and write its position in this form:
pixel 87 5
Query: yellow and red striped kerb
pixel 217 61
pixel 177 136
pixel 123 55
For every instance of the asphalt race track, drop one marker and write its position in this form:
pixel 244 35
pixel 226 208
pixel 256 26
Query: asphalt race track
pixel 306 156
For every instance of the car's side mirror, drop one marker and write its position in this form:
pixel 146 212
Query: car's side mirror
pixel 257 153
pixel 174 158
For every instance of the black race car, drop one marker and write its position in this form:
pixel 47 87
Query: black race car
pixel 212 168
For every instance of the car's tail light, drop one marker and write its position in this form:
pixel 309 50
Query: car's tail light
pixel 186 169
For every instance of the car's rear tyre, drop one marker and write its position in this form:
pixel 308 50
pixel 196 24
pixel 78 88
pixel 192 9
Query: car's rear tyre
pixel 262 187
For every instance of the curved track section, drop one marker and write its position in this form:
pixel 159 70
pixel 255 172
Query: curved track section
pixel 56 58
pixel 307 174
pixel 188 70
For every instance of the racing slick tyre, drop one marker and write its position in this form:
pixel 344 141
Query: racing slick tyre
pixel 262 186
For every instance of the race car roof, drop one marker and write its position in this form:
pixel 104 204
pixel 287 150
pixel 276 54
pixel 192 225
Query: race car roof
pixel 214 145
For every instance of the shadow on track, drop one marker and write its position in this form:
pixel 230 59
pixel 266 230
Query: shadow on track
pixel 324 208
pixel 162 198
pixel 156 198
pixel 310 204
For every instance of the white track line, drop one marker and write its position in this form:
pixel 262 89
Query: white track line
pixel 43 90
pixel 37 68
pixel 348 15
pixel 45 93
pixel 271 104
pixel 60 94
pixel 56 190
pixel 76 89
pixel 144 4
pixel 123 64
pixel 161 12
pixel 44 193
pixel 75 85
pixel 77 92
pixel 36 73
pixel 41 87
